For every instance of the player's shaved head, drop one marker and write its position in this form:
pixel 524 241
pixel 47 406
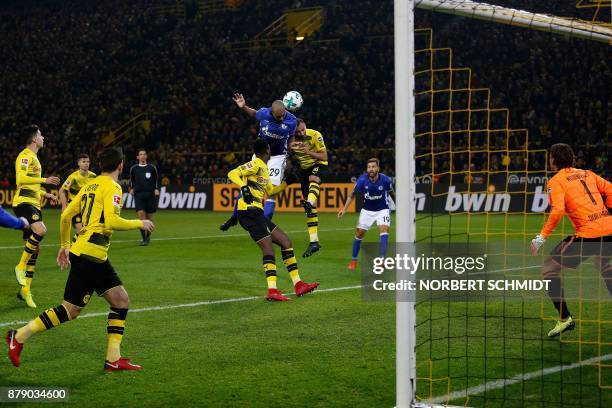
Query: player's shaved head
pixel 278 110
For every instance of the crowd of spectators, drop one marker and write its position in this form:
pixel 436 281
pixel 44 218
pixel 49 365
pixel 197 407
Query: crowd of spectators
pixel 82 68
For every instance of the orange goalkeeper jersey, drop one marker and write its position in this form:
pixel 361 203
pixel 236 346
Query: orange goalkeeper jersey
pixel 579 195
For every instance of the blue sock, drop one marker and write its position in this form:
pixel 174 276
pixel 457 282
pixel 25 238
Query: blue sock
pixel 269 208
pixel 356 247
pixel 235 213
pixel 384 240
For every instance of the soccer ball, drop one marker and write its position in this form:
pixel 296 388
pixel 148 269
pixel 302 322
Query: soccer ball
pixel 293 100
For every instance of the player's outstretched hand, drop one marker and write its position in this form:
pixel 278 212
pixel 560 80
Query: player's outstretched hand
pixel 63 258
pixel 536 244
pixel 147 225
pixel 52 180
pixel 341 213
pixel 239 99
pixel 246 194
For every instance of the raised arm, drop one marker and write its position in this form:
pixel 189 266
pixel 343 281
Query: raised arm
pixel 240 101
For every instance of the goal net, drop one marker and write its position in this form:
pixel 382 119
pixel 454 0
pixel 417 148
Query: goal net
pixel 490 99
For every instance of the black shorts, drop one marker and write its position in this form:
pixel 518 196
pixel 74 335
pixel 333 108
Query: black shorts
pixel 30 213
pixel 87 277
pixel 573 250
pixel 146 202
pixel 319 170
pixel 255 223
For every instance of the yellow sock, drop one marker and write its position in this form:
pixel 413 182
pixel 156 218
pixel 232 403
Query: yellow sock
pixel 314 189
pixel 115 328
pixel 45 321
pixel 271 281
pixel 269 265
pixel 313 225
pixel 291 264
pixel 29 251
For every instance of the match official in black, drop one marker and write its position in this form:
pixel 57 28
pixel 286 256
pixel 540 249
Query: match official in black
pixel 144 185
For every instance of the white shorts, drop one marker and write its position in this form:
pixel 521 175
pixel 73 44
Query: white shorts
pixel 367 218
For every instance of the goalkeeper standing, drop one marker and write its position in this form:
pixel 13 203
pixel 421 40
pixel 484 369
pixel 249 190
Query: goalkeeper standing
pixel 579 195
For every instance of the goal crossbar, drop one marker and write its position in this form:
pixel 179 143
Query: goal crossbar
pixel 520 18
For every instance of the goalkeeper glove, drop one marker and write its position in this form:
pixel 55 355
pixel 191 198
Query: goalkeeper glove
pixel 246 194
pixel 537 243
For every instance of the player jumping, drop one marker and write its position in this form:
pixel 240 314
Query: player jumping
pixel 375 187
pixel 578 194
pixel 99 201
pixel 311 154
pixel 73 185
pixel 276 127
pixel 26 204
pixel 253 178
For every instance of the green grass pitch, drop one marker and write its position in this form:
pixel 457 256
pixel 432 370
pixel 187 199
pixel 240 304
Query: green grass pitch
pixel 326 349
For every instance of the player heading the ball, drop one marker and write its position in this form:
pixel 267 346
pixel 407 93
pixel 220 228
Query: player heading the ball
pixel 276 127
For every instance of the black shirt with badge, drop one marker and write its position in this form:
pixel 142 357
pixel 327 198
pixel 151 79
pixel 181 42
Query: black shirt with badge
pixel 144 178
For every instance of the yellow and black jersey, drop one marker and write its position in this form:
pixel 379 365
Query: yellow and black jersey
pixel 99 203
pixel 255 175
pixel 314 142
pixel 28 173
pixel 75 182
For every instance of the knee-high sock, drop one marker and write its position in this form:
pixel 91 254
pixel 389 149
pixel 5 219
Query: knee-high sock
pixel 384 241
pixel 356 247
pixel 31 245
pixel 30 268
pixel 314 189
pixel 143 234
pixel 312 222
pixel 45 321
pixel 269 266
pixel 291 265
pixel 556 293
pixel 269 208
pixel 115 328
